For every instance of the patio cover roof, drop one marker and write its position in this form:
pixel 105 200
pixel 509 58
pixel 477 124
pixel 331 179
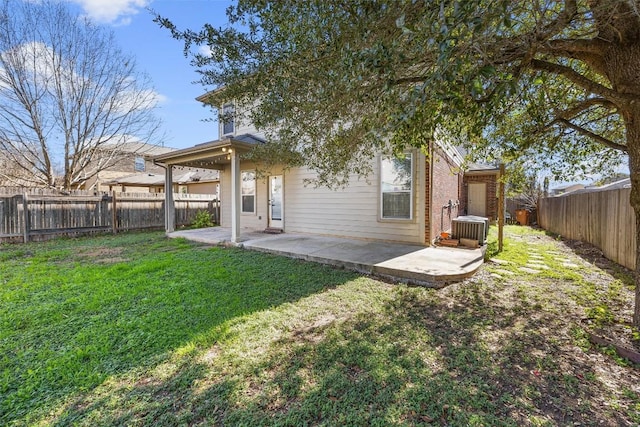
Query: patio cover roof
pixel 210 155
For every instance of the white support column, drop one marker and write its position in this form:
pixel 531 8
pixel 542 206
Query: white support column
pixel 235 197
pixel 169 205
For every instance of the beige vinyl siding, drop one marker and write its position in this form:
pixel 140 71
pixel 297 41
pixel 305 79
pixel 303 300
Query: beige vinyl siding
pixel 202 187
pixel 350 212
pixel 243 128
pixel 242 124
pixel 353 211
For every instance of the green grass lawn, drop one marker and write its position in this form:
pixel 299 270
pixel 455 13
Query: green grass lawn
pixel 136 329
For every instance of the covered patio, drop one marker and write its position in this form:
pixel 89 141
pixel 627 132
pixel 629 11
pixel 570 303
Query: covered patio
pixel 216 155
pixel 415 264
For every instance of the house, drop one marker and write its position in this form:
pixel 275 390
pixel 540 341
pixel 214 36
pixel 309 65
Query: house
pixel 130 158
pixel 187 180
pixel 410 199
pixel 480 190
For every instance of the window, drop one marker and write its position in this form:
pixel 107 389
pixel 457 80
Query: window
pixel 396 186
pixel 139 164
pixel 248 190
pixel 228 112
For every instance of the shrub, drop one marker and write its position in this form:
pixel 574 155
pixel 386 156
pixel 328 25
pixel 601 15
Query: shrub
pixel 202 220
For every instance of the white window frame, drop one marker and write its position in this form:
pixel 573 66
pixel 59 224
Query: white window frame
pixel 225 120
pixel 139 164
pixel 242 196
pixel 410 191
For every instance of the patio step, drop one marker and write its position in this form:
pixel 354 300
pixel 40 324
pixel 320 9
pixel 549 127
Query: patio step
pixel 271 230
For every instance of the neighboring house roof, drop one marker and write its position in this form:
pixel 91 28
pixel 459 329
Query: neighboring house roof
pixel 151 180
pixel 623 183
pixel 207 175
pixel 139 148
pixel 566 189
pixel 139 180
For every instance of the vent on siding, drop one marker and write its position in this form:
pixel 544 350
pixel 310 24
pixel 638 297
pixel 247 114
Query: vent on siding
pixel 470 228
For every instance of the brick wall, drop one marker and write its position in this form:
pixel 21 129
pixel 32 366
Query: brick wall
pixel 491 202
pixel 447 182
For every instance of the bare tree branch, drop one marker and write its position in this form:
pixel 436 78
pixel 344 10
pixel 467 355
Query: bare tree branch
pixel 69 97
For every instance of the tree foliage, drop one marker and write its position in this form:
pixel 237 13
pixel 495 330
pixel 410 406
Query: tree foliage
pixel 554 81
pixel 337 81
pixel 69 97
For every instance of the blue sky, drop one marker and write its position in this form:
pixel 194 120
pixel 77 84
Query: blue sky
pixel 161 57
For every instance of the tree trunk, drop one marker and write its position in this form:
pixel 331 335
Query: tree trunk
pixel 632 123
pixel 636 272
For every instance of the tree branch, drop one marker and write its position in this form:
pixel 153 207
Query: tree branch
pixel 406 80
pixel 584 105
pixel 574 46
pixel 588 51
pixel 564 18
pixel 602 140
pixel 580 80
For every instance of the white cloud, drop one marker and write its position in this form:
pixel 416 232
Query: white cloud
pixel 112 11
pixel 205 50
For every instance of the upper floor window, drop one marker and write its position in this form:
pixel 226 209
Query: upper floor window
pixel 396 187
pixel 248 190
pixel 228 112
pixel 139 164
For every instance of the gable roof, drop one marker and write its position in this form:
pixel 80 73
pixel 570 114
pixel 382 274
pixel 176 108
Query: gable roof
pixel 139 148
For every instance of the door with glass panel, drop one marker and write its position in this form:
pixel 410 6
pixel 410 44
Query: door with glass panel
pixel 276 206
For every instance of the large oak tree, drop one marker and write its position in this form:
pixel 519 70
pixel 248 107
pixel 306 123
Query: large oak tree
pixel 553 81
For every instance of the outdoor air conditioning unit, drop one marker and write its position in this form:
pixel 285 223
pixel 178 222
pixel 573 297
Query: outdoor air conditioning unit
pixel 475 218
pixel 476 228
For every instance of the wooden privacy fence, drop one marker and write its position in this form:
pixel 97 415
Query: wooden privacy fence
pixel 34 214
pixel 603 218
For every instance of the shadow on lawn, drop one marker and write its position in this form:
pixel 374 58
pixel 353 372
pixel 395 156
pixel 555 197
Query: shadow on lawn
pixel 87 323
pixel 422 359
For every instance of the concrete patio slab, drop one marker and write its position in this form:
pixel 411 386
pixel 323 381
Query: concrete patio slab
pixel 415 264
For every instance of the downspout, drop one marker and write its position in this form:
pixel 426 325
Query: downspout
pixel 431 238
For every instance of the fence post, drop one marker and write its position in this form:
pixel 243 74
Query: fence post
pixel 169 204
pixel 114 213
pixel 501 183
pixel 26 219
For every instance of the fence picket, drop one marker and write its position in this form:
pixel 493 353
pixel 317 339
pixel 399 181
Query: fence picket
pixel 36 213
pixel 602 218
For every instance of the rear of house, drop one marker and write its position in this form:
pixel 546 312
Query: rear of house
pixel 409 199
